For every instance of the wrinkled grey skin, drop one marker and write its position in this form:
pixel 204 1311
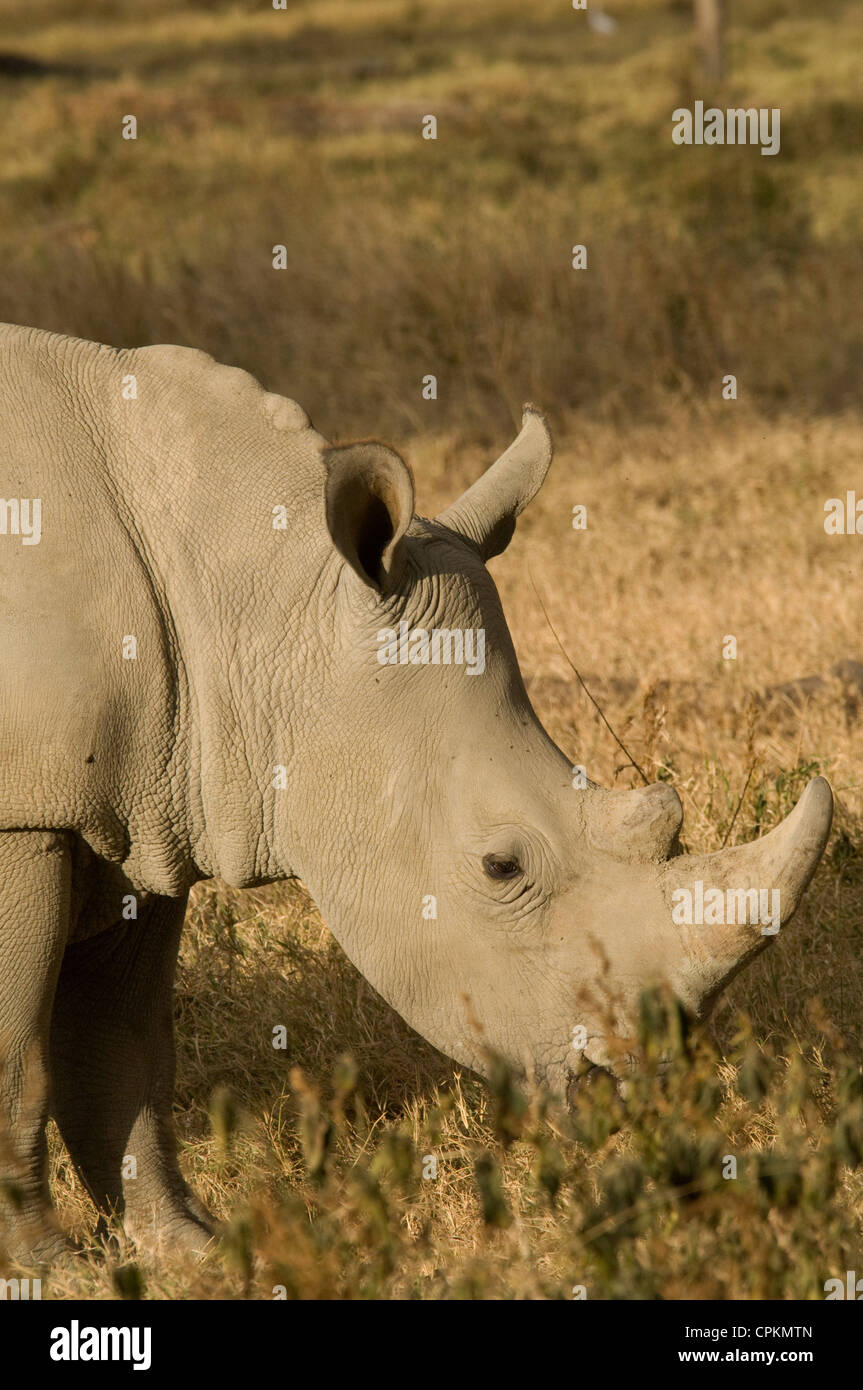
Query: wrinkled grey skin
pixel 257 649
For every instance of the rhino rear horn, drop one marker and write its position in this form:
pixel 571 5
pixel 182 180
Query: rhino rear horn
pixel 485 515
pixel 369 498
pixel 639 826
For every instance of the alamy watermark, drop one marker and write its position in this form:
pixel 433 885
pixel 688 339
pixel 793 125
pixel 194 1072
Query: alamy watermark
pixel 717 907
pixel 77 1343
pixel 21 516
pixel 735 126
pixel 844 515
pixel 438 646
pixel 16 1290
pixel 850 1287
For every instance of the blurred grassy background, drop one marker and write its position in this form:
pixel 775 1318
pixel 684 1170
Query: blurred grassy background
pixel 406 256
pixel 705 518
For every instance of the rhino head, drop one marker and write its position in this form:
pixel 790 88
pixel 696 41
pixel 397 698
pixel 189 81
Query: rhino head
pixel 492 897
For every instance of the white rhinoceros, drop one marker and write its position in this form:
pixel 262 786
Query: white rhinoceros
pixel 228 648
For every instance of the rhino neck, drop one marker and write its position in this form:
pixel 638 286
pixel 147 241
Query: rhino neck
pixel 205 458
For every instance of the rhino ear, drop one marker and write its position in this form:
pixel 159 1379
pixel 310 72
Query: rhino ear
pixel 485 515
pixel 369 496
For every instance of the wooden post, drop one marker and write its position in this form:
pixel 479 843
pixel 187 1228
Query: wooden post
pixel 709 23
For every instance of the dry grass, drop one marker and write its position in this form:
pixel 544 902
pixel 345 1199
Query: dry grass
pixel 705 519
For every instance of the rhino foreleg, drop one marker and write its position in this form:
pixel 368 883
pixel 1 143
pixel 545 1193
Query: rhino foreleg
pixel 35 878
pixel 112 1063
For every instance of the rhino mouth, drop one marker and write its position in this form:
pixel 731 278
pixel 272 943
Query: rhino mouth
pixel 580 1083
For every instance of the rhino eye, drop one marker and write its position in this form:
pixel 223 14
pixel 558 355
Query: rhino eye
pixel 501 866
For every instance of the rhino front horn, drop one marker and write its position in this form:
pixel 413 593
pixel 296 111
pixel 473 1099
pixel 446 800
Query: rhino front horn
pixel 729 905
